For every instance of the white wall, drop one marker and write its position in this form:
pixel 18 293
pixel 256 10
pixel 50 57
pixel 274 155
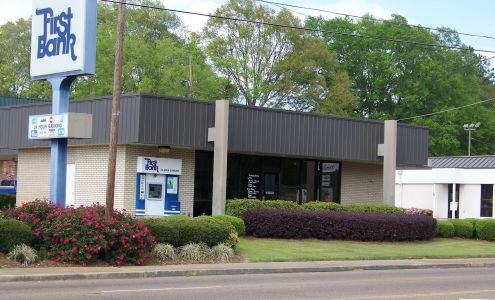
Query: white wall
pixel 469 201
pixel 441 201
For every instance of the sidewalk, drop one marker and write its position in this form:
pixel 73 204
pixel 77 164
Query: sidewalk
pixel 77 273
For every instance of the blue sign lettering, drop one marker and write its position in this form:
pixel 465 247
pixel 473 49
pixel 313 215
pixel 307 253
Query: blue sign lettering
pixel 57 38
pixel 151 165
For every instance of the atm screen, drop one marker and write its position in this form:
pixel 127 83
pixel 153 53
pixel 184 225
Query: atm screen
pixel 155 191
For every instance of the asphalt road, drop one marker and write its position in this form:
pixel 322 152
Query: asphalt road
pixel 469 283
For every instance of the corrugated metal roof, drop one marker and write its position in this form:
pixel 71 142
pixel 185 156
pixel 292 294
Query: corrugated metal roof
pixel 463 162
pixel 8 101
pixel 177 122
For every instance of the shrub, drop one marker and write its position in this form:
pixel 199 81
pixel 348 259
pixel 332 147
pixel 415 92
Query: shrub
pixel 23 254
pixel 183 230
pixel 462 228
pixel 418 211
pixel 34 214
pixel 194 252
pixel 372 208
pixel 473 222
pixel 164 252
pixel 13 232
pixel 313 205
pixel 7 201
pixel 233 240
pixel 222 253
pixel 445 229
pixel 284 223
pixel 81 235
pixel 485 229
pixel 236 207
pixel 238 223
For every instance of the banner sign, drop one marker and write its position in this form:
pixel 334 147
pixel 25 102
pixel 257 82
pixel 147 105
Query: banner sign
pixel 63 38
pixel 68 125
pixel 159 165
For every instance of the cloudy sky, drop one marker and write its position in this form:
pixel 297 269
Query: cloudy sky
pixel 475 17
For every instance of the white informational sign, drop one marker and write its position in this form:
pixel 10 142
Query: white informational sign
pixel 63 38
pixel 454 206
pixel 68 125
pixel 172 183
pixel 158 165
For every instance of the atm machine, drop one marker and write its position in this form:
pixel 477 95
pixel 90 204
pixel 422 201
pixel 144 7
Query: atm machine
pixel 157 186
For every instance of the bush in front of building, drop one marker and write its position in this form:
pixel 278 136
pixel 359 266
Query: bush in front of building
pixel 418 211
pixel 473 222
pixel 445 229
pixel 462 228
pixel 372 208
pixel 12 233
pixel 33 214
pixel 317 205
pixel 485 229
pixel 82 235
pixel 299 224
pixel 238 223
pixel 236 207
pixel 7 201
pixel 182 230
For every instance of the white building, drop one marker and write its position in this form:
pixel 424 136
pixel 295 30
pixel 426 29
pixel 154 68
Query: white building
pixel 453 187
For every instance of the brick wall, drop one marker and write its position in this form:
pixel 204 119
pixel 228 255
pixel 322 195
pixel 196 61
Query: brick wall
pixel 91 166
pixel 8 170
pixel 361 183
pixel 33 174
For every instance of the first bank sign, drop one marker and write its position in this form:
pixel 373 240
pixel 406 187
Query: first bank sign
pixel 63 40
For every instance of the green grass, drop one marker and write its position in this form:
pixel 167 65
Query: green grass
pixel 266 250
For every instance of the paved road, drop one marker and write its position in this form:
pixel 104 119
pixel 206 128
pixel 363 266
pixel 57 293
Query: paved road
pixel 471 283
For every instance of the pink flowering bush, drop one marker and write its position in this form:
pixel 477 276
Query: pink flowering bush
pixel 418 211
pixel 34 214
pixel 82 235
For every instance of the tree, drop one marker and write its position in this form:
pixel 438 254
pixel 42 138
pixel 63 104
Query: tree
pixel 155 58
pixel 15 44
pixel 395 80
pixel 274 66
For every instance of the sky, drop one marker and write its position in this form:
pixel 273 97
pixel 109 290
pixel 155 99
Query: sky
pixel 474 17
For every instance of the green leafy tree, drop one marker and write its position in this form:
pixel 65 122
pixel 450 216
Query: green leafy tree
pixel 156 58
pixel 15 44
pixel 395 80
pixel 274 66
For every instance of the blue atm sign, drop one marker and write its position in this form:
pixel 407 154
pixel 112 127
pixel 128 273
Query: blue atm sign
pixel 63 39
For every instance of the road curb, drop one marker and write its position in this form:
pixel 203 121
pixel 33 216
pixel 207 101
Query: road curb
pixel 232 271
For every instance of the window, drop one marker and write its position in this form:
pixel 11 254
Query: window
pixel 486 200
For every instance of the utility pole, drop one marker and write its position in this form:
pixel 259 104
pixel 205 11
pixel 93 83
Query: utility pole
pixel 114 127
pixel 191 88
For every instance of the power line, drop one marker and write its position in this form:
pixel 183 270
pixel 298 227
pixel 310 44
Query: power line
pixel 360 17
pixel 380 38
pixel 446 110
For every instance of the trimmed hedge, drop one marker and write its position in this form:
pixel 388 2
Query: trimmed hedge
pixel 238 223
pixel 485 229
pixel 13 232
pixel 473 222
pixel 182 230
pixel 462 228
pixel 298 224
pixel 373 208
pixel 236 207
pixel 7 201
pixel 445 229
pixel 313 205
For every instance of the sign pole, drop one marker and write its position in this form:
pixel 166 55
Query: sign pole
pixel 58 156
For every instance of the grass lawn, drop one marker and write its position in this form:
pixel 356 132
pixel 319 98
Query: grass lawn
pixel 266 250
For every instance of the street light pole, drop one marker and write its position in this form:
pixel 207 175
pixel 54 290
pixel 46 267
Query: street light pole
pixel 469 128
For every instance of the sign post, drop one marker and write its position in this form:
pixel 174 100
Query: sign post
pixel 63 45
